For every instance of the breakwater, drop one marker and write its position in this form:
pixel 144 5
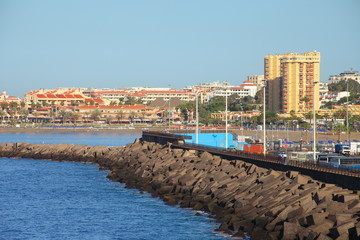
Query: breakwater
pixel 245 198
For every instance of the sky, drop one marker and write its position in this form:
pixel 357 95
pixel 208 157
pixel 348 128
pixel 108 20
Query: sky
pixel 118 44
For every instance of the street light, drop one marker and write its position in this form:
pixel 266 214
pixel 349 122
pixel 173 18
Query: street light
pixel 197 119
pixel 314 123
pixel 169 105
pixel 264 111
pixel 347 110
pixel 226 119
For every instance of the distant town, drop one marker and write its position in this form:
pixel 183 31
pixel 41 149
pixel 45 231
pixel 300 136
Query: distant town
pixel 291 82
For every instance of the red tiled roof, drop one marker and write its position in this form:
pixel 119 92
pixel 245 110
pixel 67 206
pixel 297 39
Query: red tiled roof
pixel 247 84
pixel 111 92
pixel 165 92
pixel 12 98
pixel 137 95
pixel 40 96
pixel 98 100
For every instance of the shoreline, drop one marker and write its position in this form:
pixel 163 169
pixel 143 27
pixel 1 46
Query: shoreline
pixel 271 134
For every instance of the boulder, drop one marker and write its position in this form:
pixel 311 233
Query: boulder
pixel 291 230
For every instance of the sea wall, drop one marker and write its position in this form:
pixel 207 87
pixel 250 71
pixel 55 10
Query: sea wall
pixel 243 197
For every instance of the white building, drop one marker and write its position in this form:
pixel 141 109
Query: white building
pixel 346 75
pixel 258 80
pixel 245 89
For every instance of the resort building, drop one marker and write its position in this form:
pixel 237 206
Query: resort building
pixel 344 76
pixel 258 80
pixel 245 89
pixel 291 81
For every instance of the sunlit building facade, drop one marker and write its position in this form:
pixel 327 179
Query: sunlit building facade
pixel 292 81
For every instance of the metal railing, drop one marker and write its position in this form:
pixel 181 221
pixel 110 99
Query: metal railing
pixel 329 168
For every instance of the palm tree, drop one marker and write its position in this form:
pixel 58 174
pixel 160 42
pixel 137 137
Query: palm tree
pixel 143 114
pixel 108 119
pixel 2 114
pixel 308 115
pixel 132 116
pixel 120 116
pixel 64 115
pixel 22 104
pixel 95 115
pixel 75 117
pixel 23 113
pixel 85 116
pixel 339 128
pixel 4 105
pixel 36 115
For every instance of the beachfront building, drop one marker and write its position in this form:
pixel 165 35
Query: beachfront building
pixel 143 94
pixel 258 80
pixel 5 98
pixel 60 96
pixel 291 81
pixel 243 90
pixel 242 116
pixel 344 76
pixel 137 113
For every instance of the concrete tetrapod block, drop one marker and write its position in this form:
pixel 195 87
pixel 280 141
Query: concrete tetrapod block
pixel 316 218
pixel 342 231
pixel 291 230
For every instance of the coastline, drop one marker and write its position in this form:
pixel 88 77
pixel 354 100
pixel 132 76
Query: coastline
pixel 271 134
pixel 64 130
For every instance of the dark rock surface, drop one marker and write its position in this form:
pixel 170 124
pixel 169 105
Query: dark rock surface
pixel 243 197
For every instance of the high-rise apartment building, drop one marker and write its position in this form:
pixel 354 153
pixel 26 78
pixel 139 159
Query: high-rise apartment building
pixel 291 81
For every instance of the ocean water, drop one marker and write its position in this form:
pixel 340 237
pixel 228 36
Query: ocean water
pixel 41 199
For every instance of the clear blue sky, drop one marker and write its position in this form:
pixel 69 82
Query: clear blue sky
pixel 114 43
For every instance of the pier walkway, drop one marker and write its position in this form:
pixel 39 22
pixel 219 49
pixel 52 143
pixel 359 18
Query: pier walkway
pixel 349 178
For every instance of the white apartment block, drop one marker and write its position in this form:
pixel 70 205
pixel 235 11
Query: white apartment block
pixel 245 89
pixel 346 75
pixel 258 80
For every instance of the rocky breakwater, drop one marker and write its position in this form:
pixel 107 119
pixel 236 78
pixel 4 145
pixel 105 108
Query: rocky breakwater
pixel 244 198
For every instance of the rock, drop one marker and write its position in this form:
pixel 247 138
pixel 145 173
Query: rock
pixel 316 218
pixel 291 230
pixel 342 230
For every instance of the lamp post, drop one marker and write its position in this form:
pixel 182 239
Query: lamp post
pixel 264 118
pixel 169 105
pixel 314 124
pixel 226 119
pixel 347 110
pixel 197 120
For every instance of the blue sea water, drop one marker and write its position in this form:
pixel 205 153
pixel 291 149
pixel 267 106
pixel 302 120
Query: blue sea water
pixel 41 199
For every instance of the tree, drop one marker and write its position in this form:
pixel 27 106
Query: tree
pixel 4 105
pixel 22 104
pixel 23 113
pixel 270 117
pixel 340 128
pixel 354 86
pixel 36 115
pixel 120 115
pixel 132 116
pixel 64 115
pixel 2 114
pixel 143 114
pixel 75 117
pixel 95 115
pixel 108 119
